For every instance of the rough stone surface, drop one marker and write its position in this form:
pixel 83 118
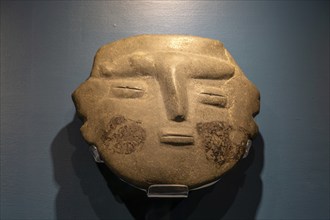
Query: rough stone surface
pixel 123 136
pixel 167 109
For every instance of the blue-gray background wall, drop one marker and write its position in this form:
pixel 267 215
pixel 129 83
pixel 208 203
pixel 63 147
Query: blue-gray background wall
pixel 47 50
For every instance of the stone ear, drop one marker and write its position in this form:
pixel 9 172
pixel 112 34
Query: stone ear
pixel 86 96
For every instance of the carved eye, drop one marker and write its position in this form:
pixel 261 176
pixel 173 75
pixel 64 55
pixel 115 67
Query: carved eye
pixel 215 99
pixel 128 92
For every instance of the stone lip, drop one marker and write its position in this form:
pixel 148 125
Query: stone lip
pixel 177 136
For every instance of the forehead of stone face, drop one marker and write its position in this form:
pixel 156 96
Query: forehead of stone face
pixel 119 51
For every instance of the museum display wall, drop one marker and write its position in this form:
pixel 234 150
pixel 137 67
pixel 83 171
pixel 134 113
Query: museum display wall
pixel 47 50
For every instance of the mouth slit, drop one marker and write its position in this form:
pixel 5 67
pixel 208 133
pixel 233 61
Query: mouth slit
pixel 177 140
pixel 177 135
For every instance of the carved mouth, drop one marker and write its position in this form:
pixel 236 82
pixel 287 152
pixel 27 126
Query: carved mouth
pixel 177 136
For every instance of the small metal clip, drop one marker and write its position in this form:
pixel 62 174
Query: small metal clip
pixel 168 191
pixel 95 154
pixel 247 148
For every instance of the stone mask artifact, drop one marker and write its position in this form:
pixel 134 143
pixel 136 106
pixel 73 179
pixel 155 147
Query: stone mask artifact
pixel 167 113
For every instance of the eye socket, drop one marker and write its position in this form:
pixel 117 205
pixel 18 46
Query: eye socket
pixel 211 98
pixel 128 92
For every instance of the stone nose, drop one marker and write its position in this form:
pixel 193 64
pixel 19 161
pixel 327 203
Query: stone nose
pixel 173 88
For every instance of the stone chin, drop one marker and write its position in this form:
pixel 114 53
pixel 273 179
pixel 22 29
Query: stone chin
pixel 126 148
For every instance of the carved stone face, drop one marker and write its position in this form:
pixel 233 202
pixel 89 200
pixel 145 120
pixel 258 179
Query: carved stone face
pixel 167 109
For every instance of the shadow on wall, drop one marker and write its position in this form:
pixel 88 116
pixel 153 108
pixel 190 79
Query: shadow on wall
pixel 90 191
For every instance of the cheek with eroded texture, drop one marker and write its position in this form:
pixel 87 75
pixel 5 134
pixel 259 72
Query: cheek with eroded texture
pixel 123 136
pixel 218 143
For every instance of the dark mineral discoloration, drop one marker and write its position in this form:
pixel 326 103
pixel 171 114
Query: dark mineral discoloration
pixel 123 136
pixel 215 137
